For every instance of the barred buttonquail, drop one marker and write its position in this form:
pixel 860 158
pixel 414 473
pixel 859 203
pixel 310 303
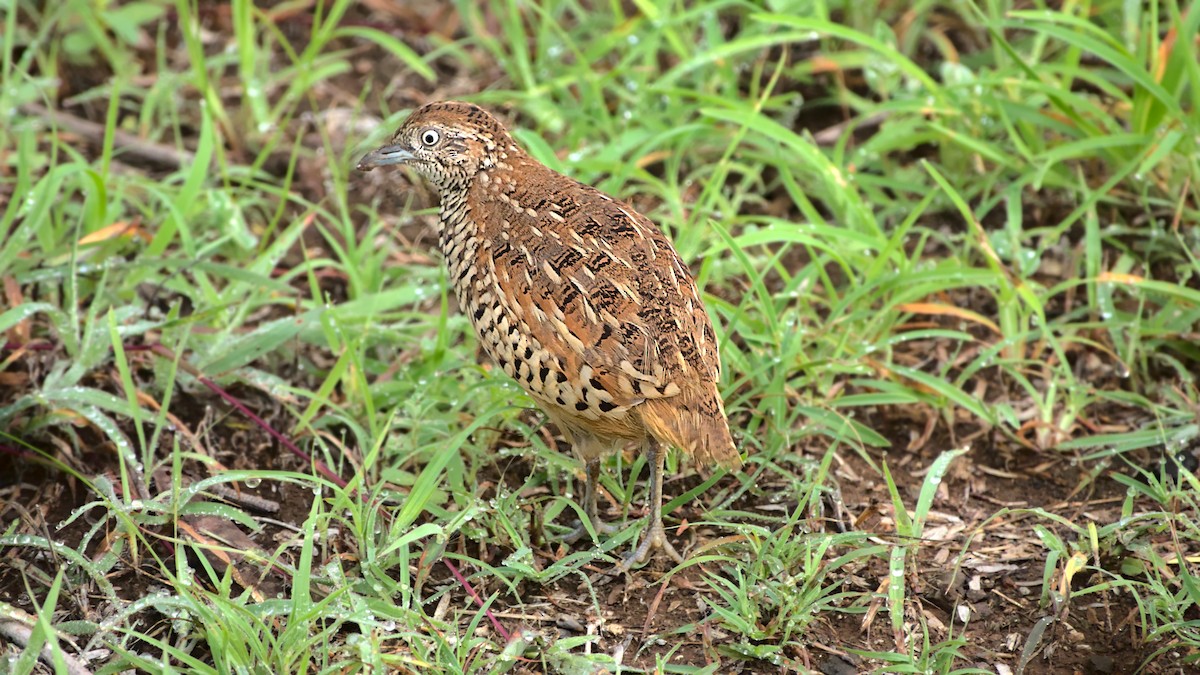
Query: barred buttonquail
pixel 574 294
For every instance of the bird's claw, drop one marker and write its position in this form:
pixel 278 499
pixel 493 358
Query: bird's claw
pixel 656 538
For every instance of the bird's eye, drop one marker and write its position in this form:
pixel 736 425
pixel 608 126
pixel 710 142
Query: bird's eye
pixel 430 137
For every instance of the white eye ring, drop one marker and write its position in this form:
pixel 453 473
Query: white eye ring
pixel 430 137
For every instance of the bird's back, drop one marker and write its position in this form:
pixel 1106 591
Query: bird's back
pixel 586 303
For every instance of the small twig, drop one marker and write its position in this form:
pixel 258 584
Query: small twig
pixel 286 442
pixel 17 452
pixel 32 346
pixel 133 146
pixel 653 608
pixel 164 352
pixel 248 500
pixel 15 624
pixel 471 591
pixel 830 135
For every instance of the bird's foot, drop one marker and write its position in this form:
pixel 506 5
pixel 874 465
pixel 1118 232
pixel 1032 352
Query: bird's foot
pixel 581 531
pixel 656 538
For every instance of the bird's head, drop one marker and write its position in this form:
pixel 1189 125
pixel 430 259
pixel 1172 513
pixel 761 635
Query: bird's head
pixel 448 142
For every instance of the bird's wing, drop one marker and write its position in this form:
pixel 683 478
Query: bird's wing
pixel 601 287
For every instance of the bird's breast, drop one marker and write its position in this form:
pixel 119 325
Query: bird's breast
pixel 491 281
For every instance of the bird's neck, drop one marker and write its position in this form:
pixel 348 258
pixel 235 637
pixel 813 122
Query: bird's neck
pixel 458 234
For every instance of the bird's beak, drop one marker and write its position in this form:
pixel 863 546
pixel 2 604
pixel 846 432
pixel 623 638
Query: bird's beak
pixel 388 154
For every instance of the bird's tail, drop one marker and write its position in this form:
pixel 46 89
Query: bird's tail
pixel 693 421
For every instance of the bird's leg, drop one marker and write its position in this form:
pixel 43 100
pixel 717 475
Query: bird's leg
pixel 590 509
pixel 655 536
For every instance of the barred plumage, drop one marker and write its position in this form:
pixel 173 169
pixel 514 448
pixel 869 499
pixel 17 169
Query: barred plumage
pixel 574 294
